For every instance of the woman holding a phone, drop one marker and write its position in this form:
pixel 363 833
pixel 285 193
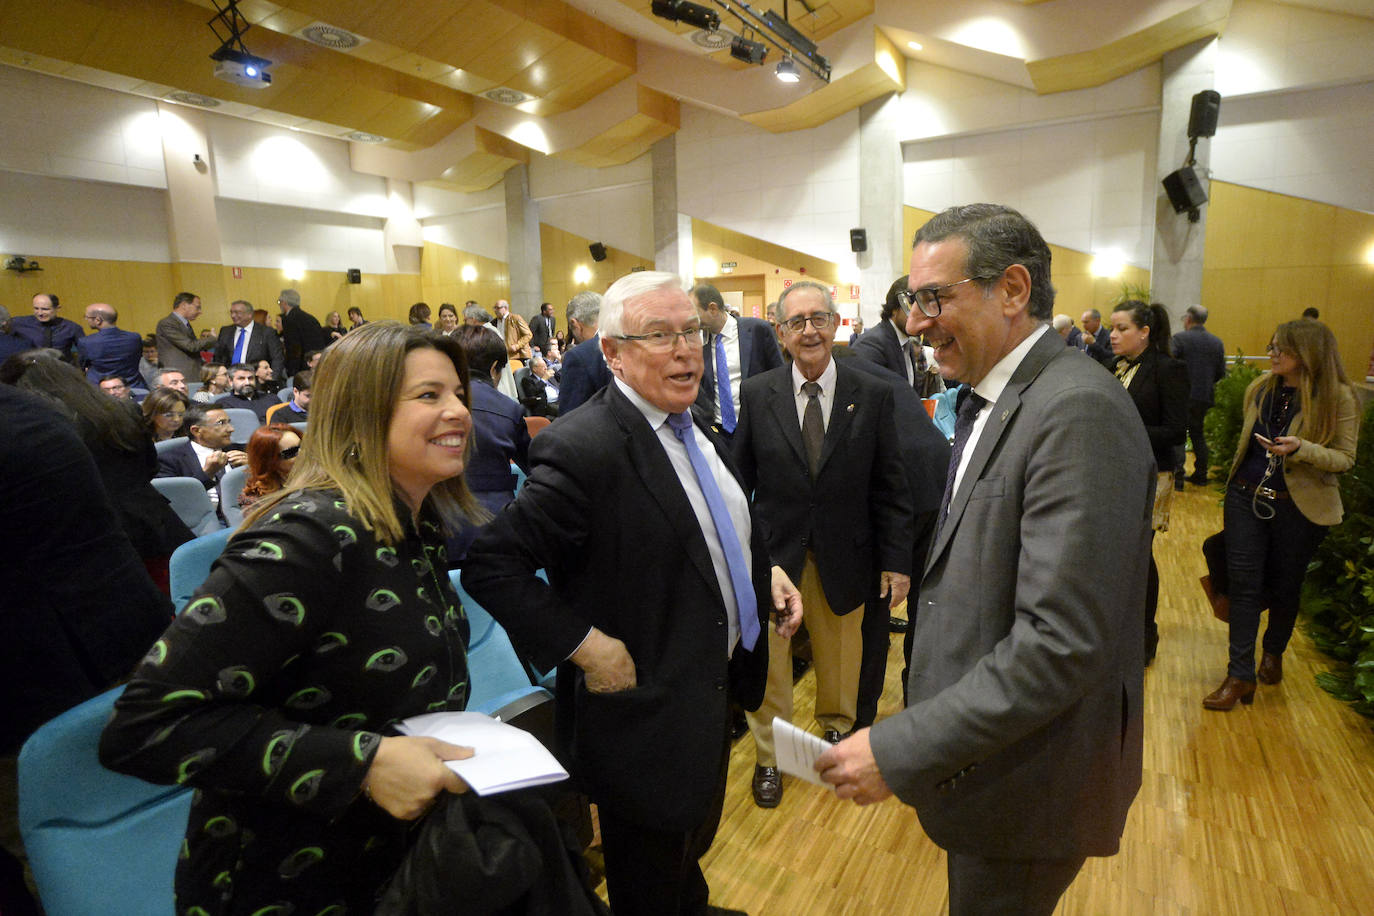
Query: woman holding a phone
pixel 1299 431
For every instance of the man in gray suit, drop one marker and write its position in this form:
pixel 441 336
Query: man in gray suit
pixel 178 346
pixel 1021 745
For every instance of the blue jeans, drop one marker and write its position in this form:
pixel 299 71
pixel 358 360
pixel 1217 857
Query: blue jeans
pixel 1266 561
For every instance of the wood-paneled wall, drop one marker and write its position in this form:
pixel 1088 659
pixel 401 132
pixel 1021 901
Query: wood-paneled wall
pixel 774 263
pixel 441 278
pixel 142 291
pixel 1269 256
pixel 562 253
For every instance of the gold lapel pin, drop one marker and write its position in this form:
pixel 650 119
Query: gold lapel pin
pixel 850 408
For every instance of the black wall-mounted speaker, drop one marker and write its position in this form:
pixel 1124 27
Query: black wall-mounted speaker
pixel 355 275
pixel 1202 120
pixel 598 251
pixel 858 240
pixel 1185 190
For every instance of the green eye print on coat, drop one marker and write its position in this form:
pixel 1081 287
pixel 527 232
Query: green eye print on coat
pixel 385 660
pixel 285 607
pixel 305 787
pixel 205 610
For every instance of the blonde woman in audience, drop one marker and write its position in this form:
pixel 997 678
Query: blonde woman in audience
pixel 334 327
pixel 214 382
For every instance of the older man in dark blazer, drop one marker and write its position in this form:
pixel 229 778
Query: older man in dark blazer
pixel 245 341
pixel 736 349
pixel 1021 746
pixel 584 368
pixel 817 446
pixel 178 345
pixel 659 588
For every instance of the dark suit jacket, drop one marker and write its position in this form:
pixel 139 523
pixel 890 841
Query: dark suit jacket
pixel 1100 346
pixel 263 343
pixel 856 515
pixel 541 329
pixel 65 333
pixel 584 374
pixel 79 608
pixel 182 462
pixel 300 333
pixel 604 514
pixel 535 396
pixel 1205 356
pixel 1024 733
pixel 879 344
pixel 758 352
pixel 111 351
pixel 1159 389
pixel 259 405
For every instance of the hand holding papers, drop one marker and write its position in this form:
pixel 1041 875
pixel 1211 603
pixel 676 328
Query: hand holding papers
pixel 504 757
pixel 797 751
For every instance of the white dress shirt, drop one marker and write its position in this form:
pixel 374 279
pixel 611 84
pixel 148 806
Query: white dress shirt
pixel 990 389
pixel 827 395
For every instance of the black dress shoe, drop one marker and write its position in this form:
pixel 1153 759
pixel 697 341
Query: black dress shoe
pixel 898 624
pixel 722 911
pixel 767 787
pixel 799 667
pixel 833 736
pixel 1195 480
pixel 739 726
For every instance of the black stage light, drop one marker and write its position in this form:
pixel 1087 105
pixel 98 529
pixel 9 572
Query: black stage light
pixel 751 52
pixel 691 13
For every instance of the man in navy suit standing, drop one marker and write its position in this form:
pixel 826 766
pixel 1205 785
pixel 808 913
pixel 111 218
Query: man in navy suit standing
pixel 735 349
pixel 1205 357
pixel 109 351
pixel 659 588
pixel 584 368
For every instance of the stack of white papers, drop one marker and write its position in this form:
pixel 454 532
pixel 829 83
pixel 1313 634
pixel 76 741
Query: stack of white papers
pixel 504 757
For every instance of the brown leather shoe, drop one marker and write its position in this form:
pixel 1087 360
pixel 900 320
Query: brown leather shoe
pixel 767 787
pixel 1270 668
pixel 1232 689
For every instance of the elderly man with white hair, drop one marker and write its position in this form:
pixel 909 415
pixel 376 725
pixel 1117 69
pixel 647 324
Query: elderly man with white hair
pixel 659 591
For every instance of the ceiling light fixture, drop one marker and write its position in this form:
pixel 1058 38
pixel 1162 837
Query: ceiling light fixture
pixel 787 71
pixel 751 52
pixel 691 13
pixel 915 45
pixel 768 28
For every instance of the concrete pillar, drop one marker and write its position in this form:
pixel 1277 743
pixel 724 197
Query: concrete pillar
pixel 192 223
pixel 523 256
pixel 672 230
pixel 401 233
pixel 1176 267
pixel 880 204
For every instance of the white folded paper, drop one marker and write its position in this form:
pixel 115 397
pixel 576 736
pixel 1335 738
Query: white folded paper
pixel 504 757
pixel 797 751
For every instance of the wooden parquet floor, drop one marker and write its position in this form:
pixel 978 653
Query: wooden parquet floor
pixel 1267 809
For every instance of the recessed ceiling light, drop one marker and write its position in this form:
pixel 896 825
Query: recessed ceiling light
pixel 915 45
pixel 359 136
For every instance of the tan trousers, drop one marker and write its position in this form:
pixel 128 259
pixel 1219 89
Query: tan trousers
pixel 836 650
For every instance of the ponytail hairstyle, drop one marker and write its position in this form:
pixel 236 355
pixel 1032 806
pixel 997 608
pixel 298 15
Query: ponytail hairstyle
pixel 1151 316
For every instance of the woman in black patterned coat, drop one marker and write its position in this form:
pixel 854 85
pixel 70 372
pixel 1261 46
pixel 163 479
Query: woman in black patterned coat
pixel 328 618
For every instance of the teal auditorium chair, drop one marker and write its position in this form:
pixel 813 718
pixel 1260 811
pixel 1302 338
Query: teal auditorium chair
pixel 190 564
pixel 244 422
pixel 190 502
pixel 500 685
pixel 98 842
pixel 230 489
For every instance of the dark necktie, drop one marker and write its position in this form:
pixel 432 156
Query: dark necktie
pixel 813 427
pixel 968 405
pixel 745 601
pixel 725 395
pixel 917 359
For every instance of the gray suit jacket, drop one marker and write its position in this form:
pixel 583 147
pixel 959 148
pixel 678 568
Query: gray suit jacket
pixel 178 348
pixel 1024 732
